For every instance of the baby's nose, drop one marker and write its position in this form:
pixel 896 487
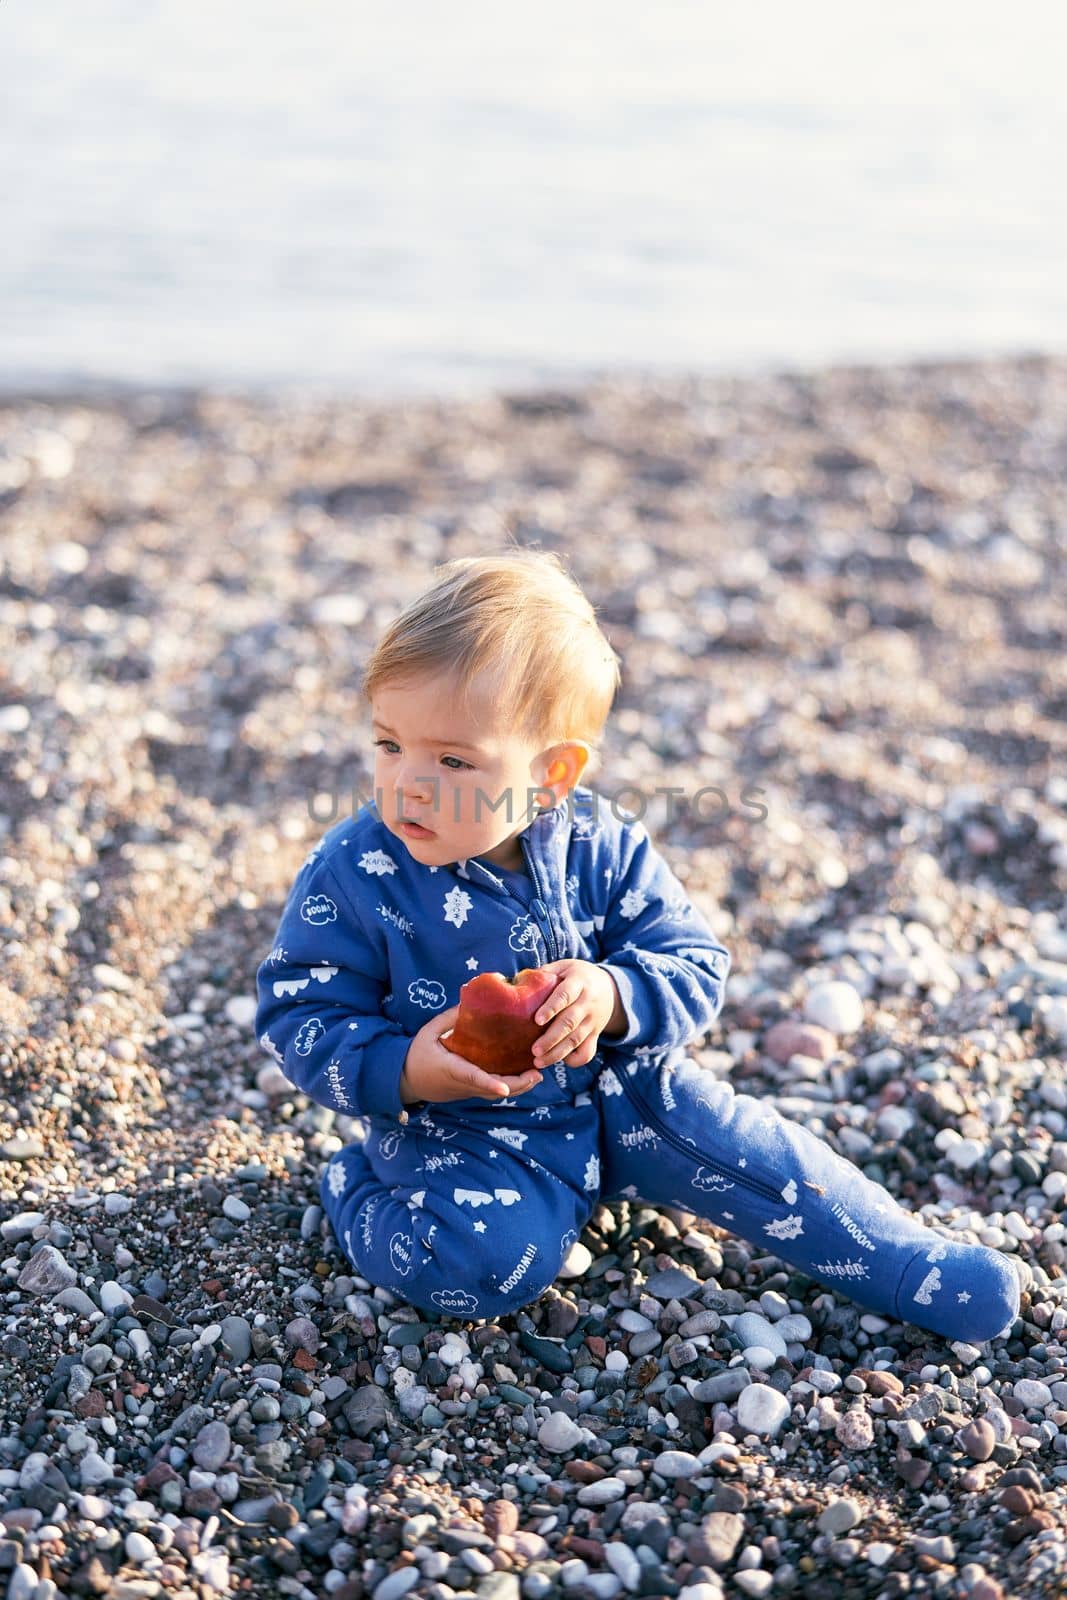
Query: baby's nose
pixel 414 796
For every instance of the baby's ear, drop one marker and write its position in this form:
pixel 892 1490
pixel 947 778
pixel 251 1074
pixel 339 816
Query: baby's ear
pixel 565 764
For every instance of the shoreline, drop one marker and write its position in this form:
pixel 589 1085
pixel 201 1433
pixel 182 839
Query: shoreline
pixel 76 387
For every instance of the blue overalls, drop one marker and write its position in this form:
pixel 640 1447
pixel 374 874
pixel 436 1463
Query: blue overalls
pixel 468 1207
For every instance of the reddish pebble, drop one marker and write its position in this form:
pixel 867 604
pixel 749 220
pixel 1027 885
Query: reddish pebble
pixel 789 1038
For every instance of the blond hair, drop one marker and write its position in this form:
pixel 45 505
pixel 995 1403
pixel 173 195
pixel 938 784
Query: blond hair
pixel 517 625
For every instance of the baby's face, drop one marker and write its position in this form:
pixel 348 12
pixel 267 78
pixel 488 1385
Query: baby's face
pixel 462 776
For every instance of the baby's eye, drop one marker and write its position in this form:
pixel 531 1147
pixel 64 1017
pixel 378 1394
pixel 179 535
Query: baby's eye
pixel 461 766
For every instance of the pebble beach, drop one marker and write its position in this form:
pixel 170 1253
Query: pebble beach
pixel 840 601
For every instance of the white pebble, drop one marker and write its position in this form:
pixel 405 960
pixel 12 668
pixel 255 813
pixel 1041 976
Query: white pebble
pixel 14 719
pixel 761 1409
pixel 601 1493
pixel 870 1322
pixel 22 1585
pixel 773 1305
pixel 576 1262
pixel 453 1350
pixel 794 1329
pixel 236 1209
pixel 676 1464
pixel 21 1226
pixel 625 1565
pixel 758 1356
pixel 93 1507
pixel 1054 1017
pixel 113 1297
pixel 966 1154
pixel 212 1567
pixel 346 610
pixel 142 1344
pixel 241 1010
pixel 629 1321
pixel 893 1122
pixel 601 1585
pixel 835 1005
pixel 1032 1393
pixel 752 1329
pixel 140 1548
pixel 559 1433
pixel 397 1583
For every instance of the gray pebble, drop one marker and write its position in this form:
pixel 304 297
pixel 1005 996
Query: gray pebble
pixel 236 1339
pixel 212 1446
pixel 46 1272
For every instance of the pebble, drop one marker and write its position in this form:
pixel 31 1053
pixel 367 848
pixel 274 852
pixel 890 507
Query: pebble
pixel 669 1283
pixel 716 1541
pixel 22 1584
pixel 752 1329
pixel 604 1491
pixel 789 1038
pixel 46 1272
pixel 236 1338
pixel 672 1464
pixel 1032 1393
pixel 855 1429
pixel 754 1581
pixel 113 1297
pixel 577 1261
pixel 795 1328
pixel 623 1563
pixel 761 1410
pixel 839 1517
pixel 835 1006
pixel 558 1433
pixel 978 1439
pixel 20 1226
pixel 140 1548
pixel 212 1446
pixel 966 1153
pixel 240 1010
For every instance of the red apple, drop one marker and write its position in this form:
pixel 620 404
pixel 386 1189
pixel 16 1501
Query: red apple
pixel 495 1027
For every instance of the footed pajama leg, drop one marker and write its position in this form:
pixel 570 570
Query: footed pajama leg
pixel 682 1137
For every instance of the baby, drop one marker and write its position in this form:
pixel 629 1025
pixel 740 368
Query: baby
pixel 483 852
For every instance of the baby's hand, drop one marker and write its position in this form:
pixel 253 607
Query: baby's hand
pixel 433 1072
pixel 582 1004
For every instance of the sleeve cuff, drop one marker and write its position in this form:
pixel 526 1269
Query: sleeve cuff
pixel 381 1085
pixel 624 984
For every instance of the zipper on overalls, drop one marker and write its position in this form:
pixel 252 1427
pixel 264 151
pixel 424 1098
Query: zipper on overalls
pixel 735 1174
pixel 539 907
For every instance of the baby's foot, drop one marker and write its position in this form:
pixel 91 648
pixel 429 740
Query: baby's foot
pixel 962 1291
